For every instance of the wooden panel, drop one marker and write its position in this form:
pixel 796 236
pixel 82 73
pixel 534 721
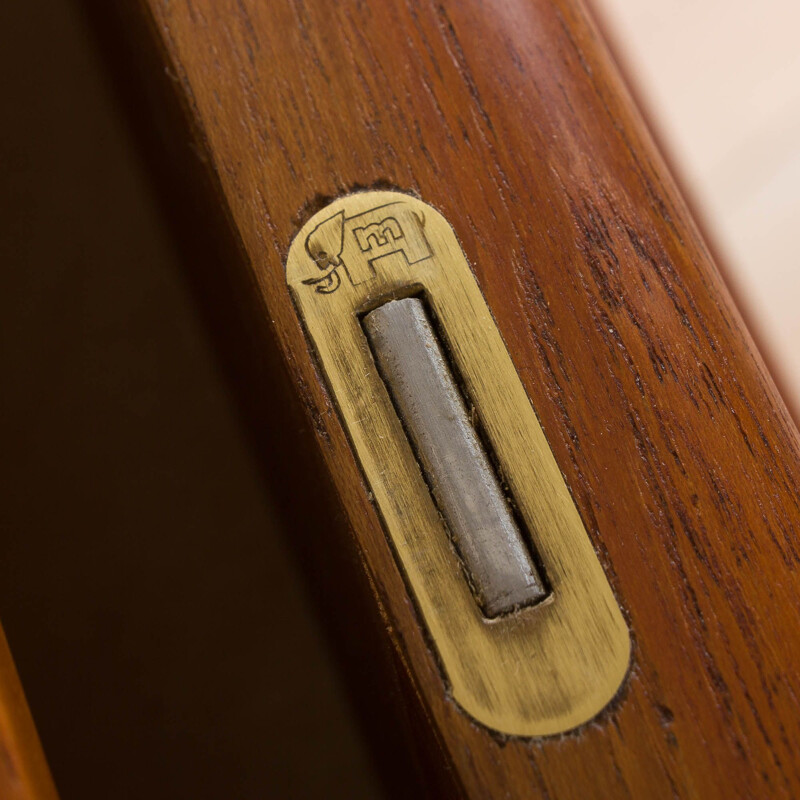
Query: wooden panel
pixel 681 458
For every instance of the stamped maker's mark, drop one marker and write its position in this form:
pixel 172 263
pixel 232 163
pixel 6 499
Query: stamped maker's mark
pixel 354 244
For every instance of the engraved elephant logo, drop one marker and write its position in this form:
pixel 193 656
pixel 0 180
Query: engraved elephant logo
pixel 353 244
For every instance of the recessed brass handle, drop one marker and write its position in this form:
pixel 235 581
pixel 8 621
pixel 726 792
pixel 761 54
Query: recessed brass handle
pixel 540 668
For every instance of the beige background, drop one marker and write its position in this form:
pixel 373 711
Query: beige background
pixel 721 80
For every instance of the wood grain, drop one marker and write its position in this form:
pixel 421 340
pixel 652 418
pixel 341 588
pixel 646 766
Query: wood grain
pixel 682 460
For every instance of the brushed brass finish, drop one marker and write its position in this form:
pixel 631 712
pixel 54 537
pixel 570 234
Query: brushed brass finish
pixel 544 668
pixel 458 470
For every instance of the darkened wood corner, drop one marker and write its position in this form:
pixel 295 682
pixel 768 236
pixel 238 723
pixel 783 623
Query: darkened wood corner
pixel 511 120
pixel 24 774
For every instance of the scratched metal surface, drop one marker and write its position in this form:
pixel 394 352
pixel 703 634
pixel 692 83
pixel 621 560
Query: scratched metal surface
pixel 457 468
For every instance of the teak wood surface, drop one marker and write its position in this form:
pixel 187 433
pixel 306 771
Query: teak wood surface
pixel 512 119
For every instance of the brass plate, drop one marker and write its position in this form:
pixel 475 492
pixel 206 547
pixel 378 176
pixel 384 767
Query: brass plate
pixel 542 669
